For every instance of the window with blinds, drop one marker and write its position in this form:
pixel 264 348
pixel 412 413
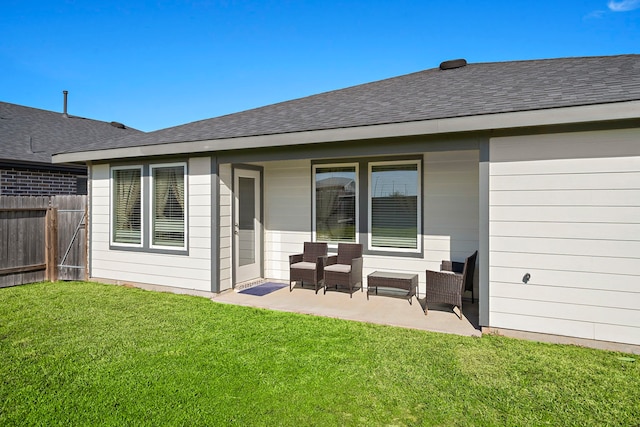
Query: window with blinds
pixel 335 203
pixel 127 193
pixel 394 201
pixel 168 205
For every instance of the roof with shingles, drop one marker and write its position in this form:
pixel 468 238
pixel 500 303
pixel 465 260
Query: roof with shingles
pixel 475 89
pixel 33 135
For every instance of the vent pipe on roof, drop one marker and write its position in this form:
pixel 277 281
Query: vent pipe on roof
pixel 64 111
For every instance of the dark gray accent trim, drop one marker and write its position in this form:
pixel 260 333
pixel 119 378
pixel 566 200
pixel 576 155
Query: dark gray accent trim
pixel 483 238
pixel 89 220
pixel 338 151
pixel 145 209
pixel 363 205
pixel 262 249
pixel 215 226
pixel 232 200
pixel 150 251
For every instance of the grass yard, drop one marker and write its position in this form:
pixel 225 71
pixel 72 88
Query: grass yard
pixel 89 354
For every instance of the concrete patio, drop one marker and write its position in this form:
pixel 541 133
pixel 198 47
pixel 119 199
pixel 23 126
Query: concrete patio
pixel 386 308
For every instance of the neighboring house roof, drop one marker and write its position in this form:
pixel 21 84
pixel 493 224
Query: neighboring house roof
pixel 338 182
pixel 434 95
pixel 32 135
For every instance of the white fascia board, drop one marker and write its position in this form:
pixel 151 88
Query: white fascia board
pixel 553 116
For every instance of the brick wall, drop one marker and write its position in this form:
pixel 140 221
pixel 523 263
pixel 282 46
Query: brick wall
pixel 25 182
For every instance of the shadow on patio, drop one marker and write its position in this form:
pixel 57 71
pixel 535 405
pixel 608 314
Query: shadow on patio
pixel 386 308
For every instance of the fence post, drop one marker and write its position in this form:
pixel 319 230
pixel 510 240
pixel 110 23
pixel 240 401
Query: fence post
pixel 51 243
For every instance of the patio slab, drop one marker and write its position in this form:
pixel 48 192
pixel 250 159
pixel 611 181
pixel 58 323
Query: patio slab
pixel 387 308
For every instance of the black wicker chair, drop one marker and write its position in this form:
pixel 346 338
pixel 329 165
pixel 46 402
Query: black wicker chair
pixel 447 286
pixel 308 266
pixel 345 268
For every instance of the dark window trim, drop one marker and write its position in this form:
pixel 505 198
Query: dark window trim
pixel 314 166
pixel 146 219
pixel 363 202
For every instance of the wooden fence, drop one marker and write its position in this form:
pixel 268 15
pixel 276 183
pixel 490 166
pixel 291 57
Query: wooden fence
pixel 42 238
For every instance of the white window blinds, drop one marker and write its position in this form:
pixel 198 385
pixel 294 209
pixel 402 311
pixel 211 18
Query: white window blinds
pixel 168 221
pixel 394 204
pixel 127 222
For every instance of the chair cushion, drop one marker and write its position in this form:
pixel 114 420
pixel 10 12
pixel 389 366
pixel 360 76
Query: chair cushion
pixel 338 268
pixel 304 265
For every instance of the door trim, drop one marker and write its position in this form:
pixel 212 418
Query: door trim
pixel 260 255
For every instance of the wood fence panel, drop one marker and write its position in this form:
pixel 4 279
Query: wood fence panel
pixel 23 244
pixel 22 250
pixel 72 241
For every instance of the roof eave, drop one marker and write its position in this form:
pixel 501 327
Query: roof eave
pixel 510 120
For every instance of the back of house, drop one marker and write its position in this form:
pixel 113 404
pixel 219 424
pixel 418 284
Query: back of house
pixel 534 164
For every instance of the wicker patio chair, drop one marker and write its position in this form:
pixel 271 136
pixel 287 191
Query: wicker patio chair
pixel 447 286
pixel 458 267
pixel 345 268
pixel 309 265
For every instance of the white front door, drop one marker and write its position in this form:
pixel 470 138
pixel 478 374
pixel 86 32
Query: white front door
pixel 247 227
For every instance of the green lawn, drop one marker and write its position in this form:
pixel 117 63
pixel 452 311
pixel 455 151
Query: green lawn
pixel 89 354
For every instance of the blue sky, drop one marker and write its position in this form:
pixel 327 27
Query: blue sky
pixel 156 64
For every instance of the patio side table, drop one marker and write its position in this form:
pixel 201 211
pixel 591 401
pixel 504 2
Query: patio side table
pixel 385 279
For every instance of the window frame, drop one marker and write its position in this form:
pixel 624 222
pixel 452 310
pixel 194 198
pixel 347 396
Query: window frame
pixel 151 202
pixel 146 207
pixel 113 203
pixel 370 166
pixel 356 166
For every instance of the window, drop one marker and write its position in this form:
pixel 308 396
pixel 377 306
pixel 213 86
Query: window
pixel 394 205
pixel 127 194
pixel 335 203
pixel 167 205
pixel 148 206
pixel 393 210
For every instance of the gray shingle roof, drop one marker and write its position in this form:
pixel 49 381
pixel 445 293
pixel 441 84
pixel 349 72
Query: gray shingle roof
pixel 476 89
pixel 33 135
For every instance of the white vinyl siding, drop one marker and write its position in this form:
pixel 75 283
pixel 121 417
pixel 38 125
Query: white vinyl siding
pixel 192 271
pixel 567 212
pixel 287 213
pixel 451 208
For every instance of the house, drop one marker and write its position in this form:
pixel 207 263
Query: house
pixel 536 164
pixel 28 138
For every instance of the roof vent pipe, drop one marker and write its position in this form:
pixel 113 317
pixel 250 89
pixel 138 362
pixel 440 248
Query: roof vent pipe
pixel 64 111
